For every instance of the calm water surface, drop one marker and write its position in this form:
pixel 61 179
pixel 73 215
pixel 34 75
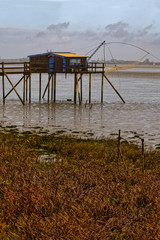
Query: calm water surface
pixel 138 118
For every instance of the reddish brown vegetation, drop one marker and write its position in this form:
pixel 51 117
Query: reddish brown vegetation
pixel 81 195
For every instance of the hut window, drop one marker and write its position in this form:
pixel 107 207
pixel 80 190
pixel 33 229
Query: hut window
pixel 73 61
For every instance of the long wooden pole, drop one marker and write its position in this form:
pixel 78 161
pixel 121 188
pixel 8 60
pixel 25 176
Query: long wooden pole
pixel 75 88
pixel 27 88
pixel 79 95
pixel 54 87
pixel 49 77
pixel 102 89
pixel 114 88
pixel 89 88
pixel 3 87
pixel 24 79
pixel 40 86
pixel 46 86
pixel 30 83
pixel 81 88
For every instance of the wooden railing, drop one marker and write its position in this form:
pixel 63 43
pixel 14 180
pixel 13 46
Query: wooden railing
pixel 40 67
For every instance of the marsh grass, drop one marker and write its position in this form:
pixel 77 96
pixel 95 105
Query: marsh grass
pixel 82 195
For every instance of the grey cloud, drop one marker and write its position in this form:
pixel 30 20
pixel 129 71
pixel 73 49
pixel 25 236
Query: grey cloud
pixel 40 34
pixel 117 30
pixel 58 27
pixel 116 26
pixel 25 41
pixel 145 30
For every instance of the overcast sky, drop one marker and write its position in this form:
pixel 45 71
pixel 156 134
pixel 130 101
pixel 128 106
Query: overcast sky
pixel 35 26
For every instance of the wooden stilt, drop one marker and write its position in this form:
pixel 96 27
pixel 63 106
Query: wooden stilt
pixel 79 95
pixel 40 86
pixel 54 87
pixel 102 89
pixel 30 83
pixel 49 77
pixel 27 88
pixel 24 82
pixel 75 88
pixel 81 88
pixel 89 88
pixel 46 86
pixel 114 88
pixel 3 86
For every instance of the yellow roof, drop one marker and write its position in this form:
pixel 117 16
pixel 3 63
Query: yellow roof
pixel 69 55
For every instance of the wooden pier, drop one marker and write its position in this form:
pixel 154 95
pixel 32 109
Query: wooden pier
pixel 27 69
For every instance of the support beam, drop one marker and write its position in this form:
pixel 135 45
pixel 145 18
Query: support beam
pixel 81 88
pixel 54 87
pixel 24 82
pixel 114 88
pixel 3 86
pixel 46 86
pixel 14 88
pixel 30 83
pixel 79 95
pixel 40 86
pixel 49 78
pixel 102 89
pixel 90 88
pixel 27 88
pixel 75 88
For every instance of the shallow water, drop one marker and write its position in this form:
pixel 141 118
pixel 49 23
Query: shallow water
pixel 137 118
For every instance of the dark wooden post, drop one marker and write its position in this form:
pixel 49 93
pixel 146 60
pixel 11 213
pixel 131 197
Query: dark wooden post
pixel 118 146
pixel 54 87
pixel 102 89
pixel 89 88
pixel 30 83
pixel 3 86
pixel 75 88
pixel 143 159
pixel 48 87
pixel 81 87
pixel 40 86
pixel 24 79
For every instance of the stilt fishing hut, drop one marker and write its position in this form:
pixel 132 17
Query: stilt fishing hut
pixel 57 62
pixel 52 63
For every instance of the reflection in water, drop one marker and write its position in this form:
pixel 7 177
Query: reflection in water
pixel 135 120
pixel 139 117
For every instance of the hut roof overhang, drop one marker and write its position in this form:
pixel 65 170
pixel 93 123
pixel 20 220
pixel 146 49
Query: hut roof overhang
pixel 60 54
